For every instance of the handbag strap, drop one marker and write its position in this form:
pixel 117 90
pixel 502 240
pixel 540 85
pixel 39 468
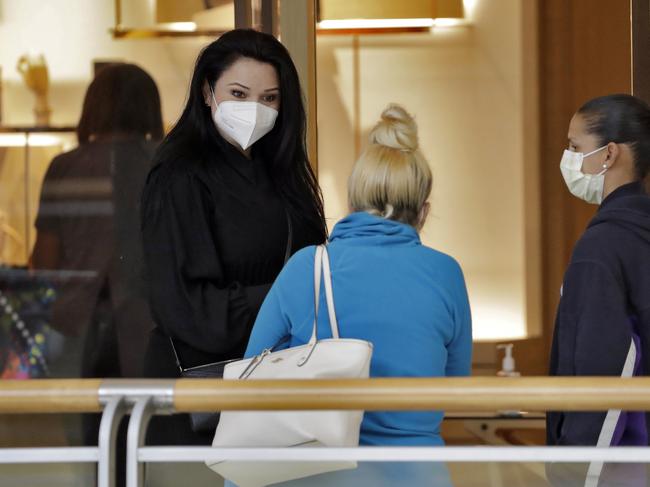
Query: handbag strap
pixel 287 252
pixel 176 358
pixel 287 255
pixel 322 269
pixel 329 293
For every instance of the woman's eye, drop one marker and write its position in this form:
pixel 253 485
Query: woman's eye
pixel 270 98
pixel 238 94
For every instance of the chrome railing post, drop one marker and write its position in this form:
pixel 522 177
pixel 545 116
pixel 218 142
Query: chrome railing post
pixel 146 397
pixel 114 410
pixel 140 416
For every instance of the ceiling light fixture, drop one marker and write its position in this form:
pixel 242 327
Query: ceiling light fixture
pixel 368 16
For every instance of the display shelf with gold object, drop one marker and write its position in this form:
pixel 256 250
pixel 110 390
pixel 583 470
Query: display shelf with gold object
pixel 144 19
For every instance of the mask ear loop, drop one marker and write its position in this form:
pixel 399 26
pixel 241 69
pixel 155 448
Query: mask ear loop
pixel 605 167
pixel 594 151
pixel 214 100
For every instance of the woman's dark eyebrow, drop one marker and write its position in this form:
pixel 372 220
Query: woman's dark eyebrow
pixel 272 89
pixel 239 84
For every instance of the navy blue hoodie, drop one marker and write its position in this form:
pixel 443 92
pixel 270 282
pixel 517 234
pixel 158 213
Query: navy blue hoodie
pixel 603 320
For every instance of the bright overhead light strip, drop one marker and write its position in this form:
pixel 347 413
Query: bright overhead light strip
pixel 374 23
pixel 178 26
pixel 448 22
pixel 389 23
pixel 35 140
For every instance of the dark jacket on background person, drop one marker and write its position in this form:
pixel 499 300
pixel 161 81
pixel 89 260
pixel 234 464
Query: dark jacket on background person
pixel 603 321
pixel 215 237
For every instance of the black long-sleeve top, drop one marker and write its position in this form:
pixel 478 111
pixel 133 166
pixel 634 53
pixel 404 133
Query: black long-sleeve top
pixel 215 235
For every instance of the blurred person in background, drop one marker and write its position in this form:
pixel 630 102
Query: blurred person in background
pixel 88 230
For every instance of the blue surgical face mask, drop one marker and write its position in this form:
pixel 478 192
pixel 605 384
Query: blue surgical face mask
pixel 588 187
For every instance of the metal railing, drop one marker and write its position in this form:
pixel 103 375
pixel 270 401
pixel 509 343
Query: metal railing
pixel 144 398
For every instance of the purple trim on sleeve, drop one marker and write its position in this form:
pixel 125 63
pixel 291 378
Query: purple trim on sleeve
pixel 631 426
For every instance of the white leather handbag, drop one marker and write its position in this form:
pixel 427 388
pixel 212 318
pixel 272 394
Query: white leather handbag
pixel 331 358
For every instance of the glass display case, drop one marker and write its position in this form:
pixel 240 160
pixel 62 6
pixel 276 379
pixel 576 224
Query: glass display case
pixel 25 154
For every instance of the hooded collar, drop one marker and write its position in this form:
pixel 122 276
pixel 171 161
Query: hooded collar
pixel 629 207
pixel 630 189
pixel 366 229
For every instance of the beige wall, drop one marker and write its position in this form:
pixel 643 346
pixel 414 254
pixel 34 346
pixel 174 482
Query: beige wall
pixel 53 28
pixel 466 87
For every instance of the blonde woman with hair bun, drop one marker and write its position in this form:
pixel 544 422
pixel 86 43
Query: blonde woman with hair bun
pixel 391 178
pixel 409 300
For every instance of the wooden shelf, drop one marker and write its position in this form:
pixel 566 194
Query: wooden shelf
pixel 12 129
pixel 140 33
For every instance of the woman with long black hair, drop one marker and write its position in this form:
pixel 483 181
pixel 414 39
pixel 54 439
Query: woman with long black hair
pixel 232 194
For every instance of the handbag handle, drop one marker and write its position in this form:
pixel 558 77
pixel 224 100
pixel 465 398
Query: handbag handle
pixel 322 265
pixel 321 268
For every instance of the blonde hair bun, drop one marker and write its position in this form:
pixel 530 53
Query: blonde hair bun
pixel 391 178
pixel 397 130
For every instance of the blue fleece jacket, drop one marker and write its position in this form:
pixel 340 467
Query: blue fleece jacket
pixel 408 300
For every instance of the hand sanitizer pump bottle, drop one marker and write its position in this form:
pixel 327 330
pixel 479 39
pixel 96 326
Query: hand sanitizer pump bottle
pixel 508 362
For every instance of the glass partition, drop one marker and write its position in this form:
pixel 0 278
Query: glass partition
pixel 376 474
pixel 471 91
